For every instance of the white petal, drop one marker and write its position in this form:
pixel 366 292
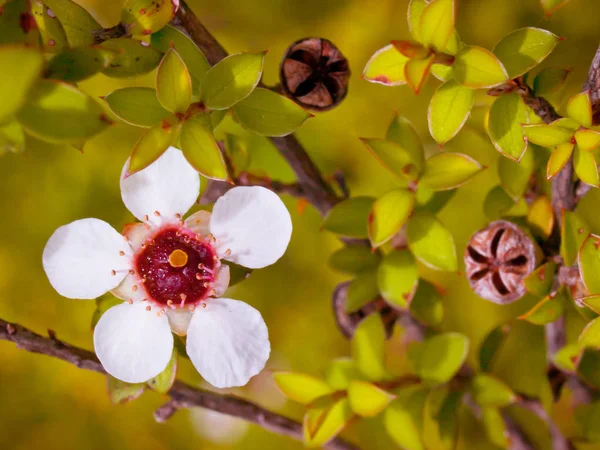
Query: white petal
pixel 254 224
pixel 126 291
pixel 136 234
pixel 169 185
pixel 199 222
pixel 179 319
pixel 222 278
pixel 79 259
pixel 133 344
pixel 228 342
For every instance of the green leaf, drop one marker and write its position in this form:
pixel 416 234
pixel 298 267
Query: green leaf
pixel 269 114
pixel 589 367
pixel 574 229
pixel 579 109
pixel 448 171
pixel 386 67
pixel 366 399
pixel 324 423
pixel 567 358
pixel 143 17
pixel 121 392
pixel 495 427
pixel 403 420
pixel 497 202
pixel 12 138
pixel 197 64
pixel 437 23
pixel 398 160
pixel 16 24
pixel 397 278
pixel 546 310
pixel 300 387
pixel 412 50
pixel 367 348
pixel 426 306
pixel 559 157
pixel 539 282
pixel 523 49
pixel 540 217
pixel 415 10
pixel 79 26
pixel 504 128
pixel 341 372
pixel 354 259
pixel 587 140
pixel 589 263
pixel 52 34
pixel 163 382
pixel 432 201
pixel 441 357
pixel 446 416
pixel 590 336
pixel 21 67
pixel 231 80
pixel 491 346
pixel 350 217
pixel 153 143
pixel 201 149
pixel 490 391
pixel 403 133
pixel 547 135
pixel 449 109
pixel 477 68
pixel 585 167
pixel 515 176
pixel 551 6
pixel 132 58
pixel 362 290
pixel 549 81
pixel 137 106
pixel 431 242
pixel 389 214
pixel 173 83
pixel 76 64
pixel 416 71
pixel 591 301
pixel 59 112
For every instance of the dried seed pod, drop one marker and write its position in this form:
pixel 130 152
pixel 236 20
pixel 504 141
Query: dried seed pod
pixel 497 259
pixel 314 74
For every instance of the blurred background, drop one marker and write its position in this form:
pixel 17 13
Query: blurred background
pixel 49 404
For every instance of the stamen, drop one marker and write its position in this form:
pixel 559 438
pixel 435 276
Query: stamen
pixel 134 288
pixel 178 216
pixel 130 301
pixel 156 213
pixel 203 305
pixel 208 269
pixel 146 218
pixel 183 298
pixel 122 253
pixel 228 252
pixel 113 272
pixel 192 307
pixel 148 308
pixel 178 258
pixel 131 272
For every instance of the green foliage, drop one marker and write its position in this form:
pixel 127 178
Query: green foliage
pixel 515 176
pixel 547 310
pixel 132 57
pixel 560 156
pixel 574 230
pixel 491 346
pixel 368 348
pixel 523 49
pixel 354 259
pixel 350 217
pixel 389 214
pixel 173 83
pixel 362 289
pixel 507 114
pixel 52 34
pixel 441 356
pixel 147 16
pixel 549 80
pixel 490 391
pixel 403 419
pixel 300 387
pixel 78 25
pixel 402 132
pixel 322 423
pixel 121 392
pixel 231 80
pixel 137 106
pixel 395 158
pixel 540 217
pixel 201 149
pixel 448 171
pixel 539 282
pixel 436 23
pixel 426 305
pixel 551 6
pixel 163 382
pixel 477 68
pixel 153 143
pixel 431 242
pixel 449 109
pixel 398 278
pixel 14 14
pixel 589 263
pixel 366 399
pixel 547 135
pixel 269 114
pixel 579 109
pixel 386 67
pixel 77 64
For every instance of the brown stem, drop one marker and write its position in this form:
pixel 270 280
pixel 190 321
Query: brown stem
pixel 316 190
pixel 182 395
pixel 559 441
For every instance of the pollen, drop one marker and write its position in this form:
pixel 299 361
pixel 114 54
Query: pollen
pixel 178 258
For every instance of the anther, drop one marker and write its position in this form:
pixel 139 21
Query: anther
pixel 131 272
pixel 134 288
pixel 204 305
pixel 228 252
pixel 130 301
pixel 178 216
pixel 156 213
pixel 146 218
pixel 148 308
pixel 191 307
pixel 113 272
pixel 122 253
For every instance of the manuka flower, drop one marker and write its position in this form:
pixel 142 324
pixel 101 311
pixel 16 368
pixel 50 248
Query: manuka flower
pixel 169 273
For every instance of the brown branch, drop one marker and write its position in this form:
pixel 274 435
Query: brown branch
pixel 559 441
pixel 316 190
pixel 182 395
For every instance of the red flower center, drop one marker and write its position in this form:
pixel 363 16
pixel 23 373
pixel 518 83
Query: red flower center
pixel 176 267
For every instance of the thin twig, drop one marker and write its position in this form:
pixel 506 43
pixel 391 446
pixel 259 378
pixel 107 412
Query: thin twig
pixel 182 395
pixel 316 190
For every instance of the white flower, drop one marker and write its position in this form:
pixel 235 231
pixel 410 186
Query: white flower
pixel 170 275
